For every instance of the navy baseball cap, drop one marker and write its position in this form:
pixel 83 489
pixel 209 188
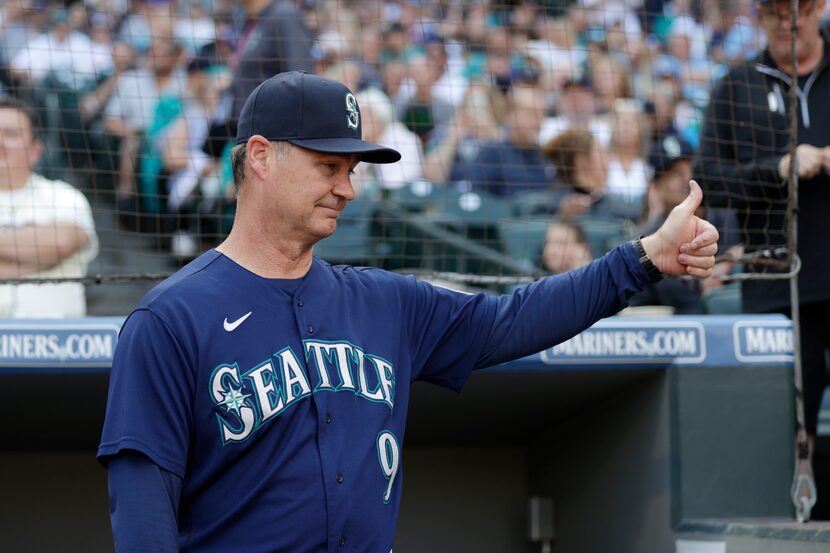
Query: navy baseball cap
pixel 665 151
pixel 312 112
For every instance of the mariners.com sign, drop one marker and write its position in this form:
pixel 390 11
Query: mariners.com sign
pixel 715 341
pixel 46 344
pixel 721 341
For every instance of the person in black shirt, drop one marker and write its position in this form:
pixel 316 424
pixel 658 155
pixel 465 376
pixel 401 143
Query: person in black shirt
pixel 743 164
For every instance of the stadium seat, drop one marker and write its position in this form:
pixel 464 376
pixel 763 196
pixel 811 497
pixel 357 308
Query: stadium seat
pixel 604 233
pixel 417 196
pixel 524 239
pixel 535 204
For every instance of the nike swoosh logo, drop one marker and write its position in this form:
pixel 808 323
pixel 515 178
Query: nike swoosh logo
pixel 230 327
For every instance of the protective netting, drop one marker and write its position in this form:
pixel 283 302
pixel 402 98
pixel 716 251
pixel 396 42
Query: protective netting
pixel 535 135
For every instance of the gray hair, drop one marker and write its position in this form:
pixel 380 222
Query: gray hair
pixel 240 152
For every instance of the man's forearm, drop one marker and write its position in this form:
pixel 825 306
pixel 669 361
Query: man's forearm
pixel 41 247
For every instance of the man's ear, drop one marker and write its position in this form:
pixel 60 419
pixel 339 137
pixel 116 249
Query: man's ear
pixel 259 151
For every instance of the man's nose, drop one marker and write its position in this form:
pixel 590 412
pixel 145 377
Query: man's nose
pixel 344 188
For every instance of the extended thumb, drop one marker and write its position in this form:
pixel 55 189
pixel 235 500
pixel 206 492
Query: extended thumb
pixel 692 201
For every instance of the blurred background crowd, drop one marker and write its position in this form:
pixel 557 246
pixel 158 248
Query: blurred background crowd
pixel 580 113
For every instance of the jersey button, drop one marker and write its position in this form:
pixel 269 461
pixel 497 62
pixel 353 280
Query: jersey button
pixel 342 541
pixel 328 419
pixel 310 329
pixel 299 303
pixel 339 478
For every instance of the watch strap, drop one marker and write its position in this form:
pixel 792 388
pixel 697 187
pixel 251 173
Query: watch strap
pixel 654 274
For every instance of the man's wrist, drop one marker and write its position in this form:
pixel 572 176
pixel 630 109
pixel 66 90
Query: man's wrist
pixel 645 248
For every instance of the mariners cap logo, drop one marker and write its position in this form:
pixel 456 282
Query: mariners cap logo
pixel 352 113
pixel 672 147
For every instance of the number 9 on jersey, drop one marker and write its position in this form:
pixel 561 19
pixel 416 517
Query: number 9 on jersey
pixel 389 457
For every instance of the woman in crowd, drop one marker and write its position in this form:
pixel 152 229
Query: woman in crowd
pixel 476 121
pixel 581 176
pixel 627 169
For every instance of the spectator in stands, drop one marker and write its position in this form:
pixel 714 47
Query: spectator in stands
pixel 329 49
pixel 566 247
pixel 744 164
pixel 451 84
pixel 89 111
pixel 610 80
pixel 63 53
pixel 275 39
pixel 381 127
pixel 696 73
pixel 15 29
pixel 422 112
pixel 581 176
pixel 194 29
pixel 368 57
pixel 556 52
pixel 476 122
pixel 669 113
pixel 132 107
pixel 92 103
pixel 348 72
pixel 46 227
pixel 627 169
pixel 671 160
pixel 514 163
pixel 736 37
pixel 135 28
pixel 190 184
pixel 395 43
pixel 576 107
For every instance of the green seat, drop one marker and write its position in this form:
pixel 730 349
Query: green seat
pixel 535 203
pixel 724 300
pixel 524 239
pixel 351 243
pixel 604 233
pixel 417 196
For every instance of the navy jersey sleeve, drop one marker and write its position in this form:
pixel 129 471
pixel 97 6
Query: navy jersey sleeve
pixel 150 399
pixel 459 332
pixel 144 500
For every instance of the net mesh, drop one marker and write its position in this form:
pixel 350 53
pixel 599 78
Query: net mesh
pixel 535 135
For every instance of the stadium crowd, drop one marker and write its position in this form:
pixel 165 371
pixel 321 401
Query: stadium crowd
pixel 581 110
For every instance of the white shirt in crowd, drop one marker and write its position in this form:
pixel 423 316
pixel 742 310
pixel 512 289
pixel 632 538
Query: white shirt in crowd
pixel 75 60
pixel 46 202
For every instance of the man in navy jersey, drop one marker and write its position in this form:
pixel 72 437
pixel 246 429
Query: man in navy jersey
pixel 258 397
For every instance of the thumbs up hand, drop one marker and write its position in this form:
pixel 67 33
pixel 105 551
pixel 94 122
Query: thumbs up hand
pixel 685 244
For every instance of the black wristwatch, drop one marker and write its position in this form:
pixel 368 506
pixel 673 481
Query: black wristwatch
pixel 654 274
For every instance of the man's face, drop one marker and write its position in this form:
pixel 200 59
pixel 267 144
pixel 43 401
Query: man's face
pixel 310 190
pixel 775 19
pixel 577 102
pixel 19 151
pixel 563 251
pixel 526 115
pixel 163 57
